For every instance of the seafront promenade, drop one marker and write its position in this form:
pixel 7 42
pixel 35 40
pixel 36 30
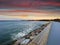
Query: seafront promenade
pixel 37 37
pixel 41 38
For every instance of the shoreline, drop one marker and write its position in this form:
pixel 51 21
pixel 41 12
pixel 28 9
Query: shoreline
pixel 31 35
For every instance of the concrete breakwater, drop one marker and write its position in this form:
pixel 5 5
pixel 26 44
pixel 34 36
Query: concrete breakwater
pixel 28 39
pixel 41 38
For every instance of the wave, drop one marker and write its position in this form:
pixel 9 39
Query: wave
pixel 26 29
pixel 17 36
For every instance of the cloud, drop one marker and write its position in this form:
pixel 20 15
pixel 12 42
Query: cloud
pixel 28 3
pixel 28 16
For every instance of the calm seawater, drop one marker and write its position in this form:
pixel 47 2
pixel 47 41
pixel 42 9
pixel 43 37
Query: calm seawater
pixel 11 30
pixel 54 36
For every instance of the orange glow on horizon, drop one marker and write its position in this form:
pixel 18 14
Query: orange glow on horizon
pixel 30 15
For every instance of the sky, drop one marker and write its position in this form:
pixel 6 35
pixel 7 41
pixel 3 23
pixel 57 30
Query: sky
pixel 28 15
pixel 28 3
pixel 29 9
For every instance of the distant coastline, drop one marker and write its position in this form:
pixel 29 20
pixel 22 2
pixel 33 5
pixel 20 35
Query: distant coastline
pixel 57 20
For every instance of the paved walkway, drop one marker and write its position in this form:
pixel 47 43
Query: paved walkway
pixel 41 39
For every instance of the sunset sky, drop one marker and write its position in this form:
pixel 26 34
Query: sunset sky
pixel 28 15
pixel 29 9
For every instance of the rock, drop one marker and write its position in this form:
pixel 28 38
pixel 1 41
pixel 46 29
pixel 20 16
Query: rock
pixel 26 41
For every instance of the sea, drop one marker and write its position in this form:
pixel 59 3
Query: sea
pixel 54 35
pixel 12 30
